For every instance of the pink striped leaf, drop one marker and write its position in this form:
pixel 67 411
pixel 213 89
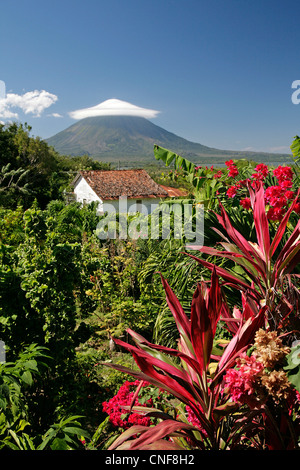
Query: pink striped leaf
pixel 161 430
pixel 236 281
pixel 260 220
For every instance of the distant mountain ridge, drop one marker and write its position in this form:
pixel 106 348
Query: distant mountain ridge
pixel 131 139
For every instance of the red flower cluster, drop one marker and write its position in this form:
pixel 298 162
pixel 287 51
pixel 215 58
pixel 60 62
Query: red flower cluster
pixel 277 197
pixel 118 415
pixel 219 174
pixel 262 171
pixel 283 173
pixel 246 203
pixel 231 191
pixel 232 169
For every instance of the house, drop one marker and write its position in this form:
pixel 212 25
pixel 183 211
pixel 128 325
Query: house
pixel 107 187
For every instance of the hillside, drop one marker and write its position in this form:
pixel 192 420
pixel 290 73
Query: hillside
pixel 130 139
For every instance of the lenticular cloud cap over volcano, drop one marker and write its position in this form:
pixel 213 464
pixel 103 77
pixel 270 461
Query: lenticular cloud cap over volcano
pixel 113 107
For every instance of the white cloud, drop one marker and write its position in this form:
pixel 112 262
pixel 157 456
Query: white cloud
pixel 280 149
pixel 56 115
pixel 5 112
pixel 114 107
pixel 32 102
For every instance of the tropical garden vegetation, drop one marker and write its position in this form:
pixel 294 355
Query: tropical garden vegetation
pixel 148 344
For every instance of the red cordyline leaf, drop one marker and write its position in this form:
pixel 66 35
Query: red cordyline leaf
pixel 184 329
pixel 161 444
pixel 185 355
pixel 132 431
pixel 232 321
pixel 235 318
pixel 162 382
pixel 259 258
pixel 291 260
pixel 247 249
pixel 136 394
pixel 161 430
pixel 240 241
pixel 289 257
pixel 200 330
pixel 151 436
pixel 248 301
pixel 234 280
pixel 205 313
pixel 149 364
pixel 174 305
pixel 169 378
pixel 260 220
pixel 214 300
pixel 178 388
pixel 293 240
pixel 238 258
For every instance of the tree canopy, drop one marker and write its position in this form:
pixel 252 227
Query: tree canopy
pixel 32 170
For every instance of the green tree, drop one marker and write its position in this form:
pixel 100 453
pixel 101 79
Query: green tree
pixel 30 169
pixel 27 164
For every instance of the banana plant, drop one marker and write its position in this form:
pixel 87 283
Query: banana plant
pixel 205 186
pixel 295 148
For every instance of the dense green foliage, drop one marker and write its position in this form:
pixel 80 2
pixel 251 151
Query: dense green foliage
pixel 65 290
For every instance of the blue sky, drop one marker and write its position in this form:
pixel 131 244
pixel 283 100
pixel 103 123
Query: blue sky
pixel 219 72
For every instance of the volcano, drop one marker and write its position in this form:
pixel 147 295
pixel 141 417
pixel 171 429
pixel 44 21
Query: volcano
pixel 131 139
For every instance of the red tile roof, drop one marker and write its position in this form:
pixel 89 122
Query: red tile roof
pixel 174 192
pixel 134 184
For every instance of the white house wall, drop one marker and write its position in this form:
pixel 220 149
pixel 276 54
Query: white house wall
pixel 85 194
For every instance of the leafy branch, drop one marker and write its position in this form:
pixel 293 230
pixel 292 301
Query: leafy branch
pixel 13 179
pixel 295 148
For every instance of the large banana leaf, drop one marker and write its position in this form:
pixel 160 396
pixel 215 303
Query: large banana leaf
pixel 169 157
pixel 295 148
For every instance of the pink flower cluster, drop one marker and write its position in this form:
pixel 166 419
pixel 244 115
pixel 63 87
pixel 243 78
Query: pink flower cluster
pixel 241 382
pixel 118 415
pixel 192 418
